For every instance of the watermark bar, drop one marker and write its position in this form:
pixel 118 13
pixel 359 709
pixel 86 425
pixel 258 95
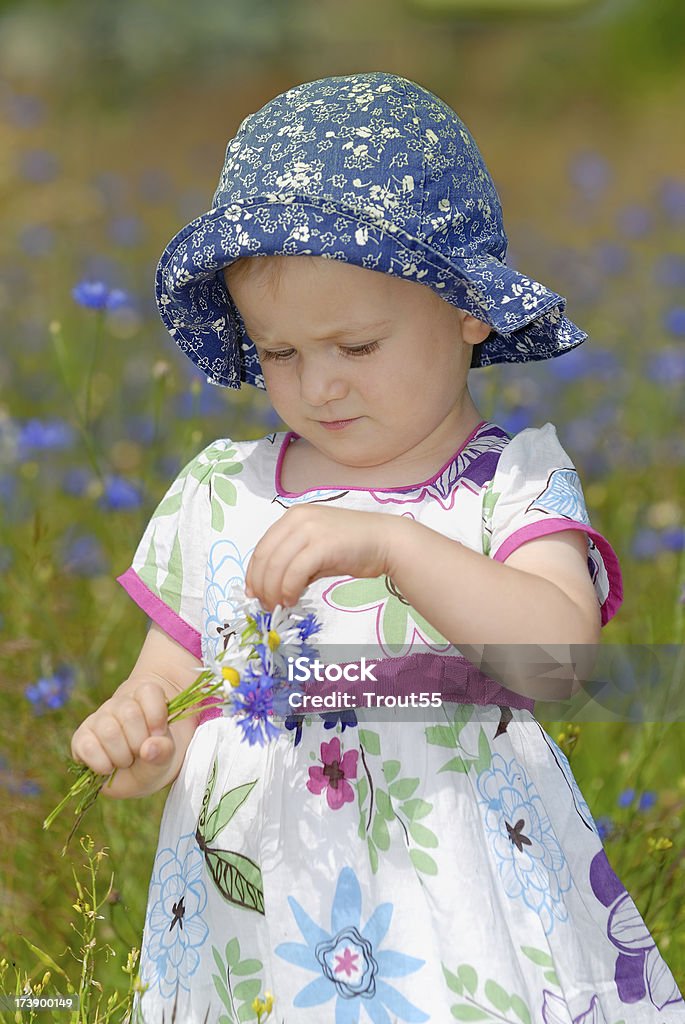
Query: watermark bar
pixel 577 683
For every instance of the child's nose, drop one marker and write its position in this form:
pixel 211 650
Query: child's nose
pixel 320 384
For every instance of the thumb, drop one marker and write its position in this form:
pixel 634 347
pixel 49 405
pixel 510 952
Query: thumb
pixel 158 750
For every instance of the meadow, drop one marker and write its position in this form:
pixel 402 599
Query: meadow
pixel 99 412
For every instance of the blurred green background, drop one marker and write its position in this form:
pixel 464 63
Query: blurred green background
pixel 113 124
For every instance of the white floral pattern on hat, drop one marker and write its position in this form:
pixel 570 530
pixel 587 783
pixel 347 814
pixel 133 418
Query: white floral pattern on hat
pixel 371 169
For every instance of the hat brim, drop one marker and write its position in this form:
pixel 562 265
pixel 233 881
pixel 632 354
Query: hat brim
pixel 527 319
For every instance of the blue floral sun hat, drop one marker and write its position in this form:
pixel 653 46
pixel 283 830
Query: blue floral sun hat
pixel 368 168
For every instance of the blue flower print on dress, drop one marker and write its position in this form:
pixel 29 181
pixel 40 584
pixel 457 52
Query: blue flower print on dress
pixel 225 567
pixel 563 496
pixel 531 863
pixel 174 926
pixel 348 962
pixel 640 971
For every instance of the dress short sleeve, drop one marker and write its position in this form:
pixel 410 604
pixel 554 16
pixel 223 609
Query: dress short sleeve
pixel 536 491
pixel 167 574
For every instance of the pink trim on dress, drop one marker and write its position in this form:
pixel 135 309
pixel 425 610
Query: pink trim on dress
pixel 547 526
pixel 172 623
pixel 390 490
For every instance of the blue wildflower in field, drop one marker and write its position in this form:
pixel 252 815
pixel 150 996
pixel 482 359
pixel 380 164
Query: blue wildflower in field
pixel 612 258
pixel 669 271
pixel 667 366
pixel 672 196
pixel 590 173
pixel 83 556
pixel 646 544
pixel 647 800
pixel 634 221
pixel 120 494
pixel 91 294
pixel 626 798
pixel 44 435
pixel 38 166
pixel 98 295
pixel 673 538
pixel 674 321
pixel 605 826
pixel 75 481
pixel 25 111
pixel 51 692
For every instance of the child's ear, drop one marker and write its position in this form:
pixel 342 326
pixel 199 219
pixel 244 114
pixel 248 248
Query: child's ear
pixel 473 330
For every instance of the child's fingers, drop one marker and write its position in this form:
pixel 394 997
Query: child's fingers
pixel 88 748
pixel 267 577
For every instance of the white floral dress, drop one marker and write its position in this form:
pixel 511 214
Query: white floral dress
pixel 366 865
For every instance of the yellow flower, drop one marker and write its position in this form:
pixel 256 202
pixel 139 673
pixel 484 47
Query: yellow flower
pixel 231 675
pixel 273 640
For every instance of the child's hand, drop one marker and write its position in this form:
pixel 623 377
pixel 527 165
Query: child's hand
pixel 129 732
pixel 310 541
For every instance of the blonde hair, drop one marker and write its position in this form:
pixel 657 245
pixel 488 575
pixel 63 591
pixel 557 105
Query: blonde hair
pixel 269 269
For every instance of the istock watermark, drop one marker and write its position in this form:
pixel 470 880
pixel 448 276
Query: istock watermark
pixel 304 670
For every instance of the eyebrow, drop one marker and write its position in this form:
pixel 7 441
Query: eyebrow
pixel 343 331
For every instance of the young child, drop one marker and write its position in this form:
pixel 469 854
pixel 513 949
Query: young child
pixel 368 865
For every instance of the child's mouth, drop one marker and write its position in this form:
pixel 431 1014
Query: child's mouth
pixel 337 424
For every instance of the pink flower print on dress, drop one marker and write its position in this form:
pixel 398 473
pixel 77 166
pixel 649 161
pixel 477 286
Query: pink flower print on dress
pixel 334 774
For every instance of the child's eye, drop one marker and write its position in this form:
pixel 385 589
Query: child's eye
pixel 361 349
pixel 276 354
pixel 282 355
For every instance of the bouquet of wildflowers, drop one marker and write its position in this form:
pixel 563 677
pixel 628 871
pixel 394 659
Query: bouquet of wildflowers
pixel 248 680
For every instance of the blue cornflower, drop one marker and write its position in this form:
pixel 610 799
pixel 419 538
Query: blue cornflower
pixel 590 173
pixel 308 626
pixel 253 705
pixel 646 544
pixel 674 320
pixel 26 111
pixel 44 435
pixel 38 166
pixel 667 366
pixel 84 556
pixel 670 270
pixel 117 298
pixel 673 538
pixel 51 692
pixel 634 221
pixel 605 826
pixel 626 798
pixel 98 295
pixel 612 258
pixel 75 481
pixel 647 800
pixel 120 494
pixel 91 294
pixel 673 198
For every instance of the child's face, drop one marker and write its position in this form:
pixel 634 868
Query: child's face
pixel 410 385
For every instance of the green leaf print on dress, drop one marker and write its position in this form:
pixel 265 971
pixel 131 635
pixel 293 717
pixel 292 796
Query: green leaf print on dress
pixel 489 501
pixel 378 807
pixel 398 626
pixel 234 992
pixel 497 1006
pixel 237 877
pixel 449 735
